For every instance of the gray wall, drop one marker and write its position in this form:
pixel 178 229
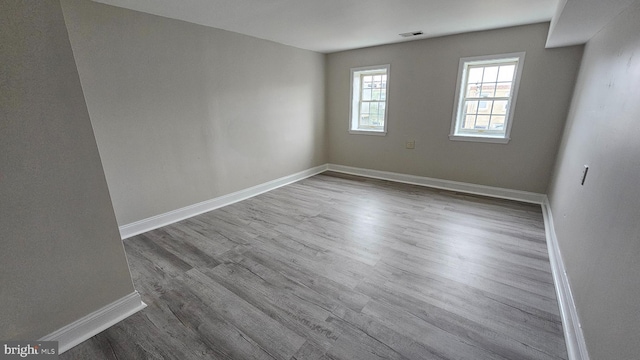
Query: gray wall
pixel 183 113
pixel 598 224
pixel 421 95
pixel 62 257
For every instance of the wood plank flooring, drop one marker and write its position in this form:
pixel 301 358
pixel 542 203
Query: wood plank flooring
pixel 342 267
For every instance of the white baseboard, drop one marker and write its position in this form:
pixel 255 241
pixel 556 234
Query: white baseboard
pixel 573 335
pixel 491 191
pixel 576 346
pixel 92 324
pixel 139 227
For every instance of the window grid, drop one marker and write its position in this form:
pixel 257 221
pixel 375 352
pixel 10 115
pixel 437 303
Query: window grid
pixel 486 92
pixel 369 97
pixel 372 100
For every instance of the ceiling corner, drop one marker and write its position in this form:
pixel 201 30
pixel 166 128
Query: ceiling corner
pixel 577 21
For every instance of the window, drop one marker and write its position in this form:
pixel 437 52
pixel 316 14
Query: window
pixel 486 97
pixel 369 94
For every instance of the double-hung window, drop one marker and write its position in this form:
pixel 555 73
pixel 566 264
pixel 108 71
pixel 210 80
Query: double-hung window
pixel 486 97
pixel 369 95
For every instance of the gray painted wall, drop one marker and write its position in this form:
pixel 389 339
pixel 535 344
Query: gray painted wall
pixel 421 95
pixel 62 257
pixel 598 224
pixel 184 113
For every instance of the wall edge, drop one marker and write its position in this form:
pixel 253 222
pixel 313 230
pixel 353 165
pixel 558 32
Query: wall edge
pixel 96 322
pixel 573 335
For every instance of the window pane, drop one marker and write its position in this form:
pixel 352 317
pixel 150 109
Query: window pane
pixel 375 94
pixel 488 90
pixel 484 107
pixel 506 73
pixel 500 107
pixel 364 109
pixel 485 97
pixel 497 123
pixel 473 90
pixel 471 107
pixel 490 74
pixel 369 95
pixel 503 89
pixel 475 75
pixel 376 118
pixel 469 121
pixel 367 80
pixel 482 122
pixel 366 94
pixel 373 108
pixel 364 120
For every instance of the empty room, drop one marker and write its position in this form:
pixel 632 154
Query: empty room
pixel 299 179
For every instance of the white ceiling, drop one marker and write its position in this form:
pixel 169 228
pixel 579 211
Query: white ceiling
pixel 334 25
pixel 576 21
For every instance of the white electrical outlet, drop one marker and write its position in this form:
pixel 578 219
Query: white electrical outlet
pixel 411 144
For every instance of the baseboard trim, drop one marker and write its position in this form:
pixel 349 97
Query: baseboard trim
pixel 92 324
pixel 573 335
pixel 96 322
pixel 139 227
pixel 70 336
pixel 524 196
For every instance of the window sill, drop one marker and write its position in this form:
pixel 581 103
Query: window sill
pixel 485 139
pixel 367 132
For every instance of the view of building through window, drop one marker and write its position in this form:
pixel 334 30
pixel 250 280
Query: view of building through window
pixel 372 103
pixel 369 95
pixel 488 90
pixel 485 100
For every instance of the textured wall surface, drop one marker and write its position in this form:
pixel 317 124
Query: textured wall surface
pixel 61 256
pixel 421 96
pixel 598 224
pixel 184 113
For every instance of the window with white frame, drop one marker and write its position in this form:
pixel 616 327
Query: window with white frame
pixel 369 95
pixel 486 97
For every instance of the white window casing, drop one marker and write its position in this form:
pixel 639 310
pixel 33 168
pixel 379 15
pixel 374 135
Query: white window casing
pixel 369 100
pixel 485 100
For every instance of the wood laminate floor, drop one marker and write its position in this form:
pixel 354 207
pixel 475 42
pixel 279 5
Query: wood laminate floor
pixel 342 267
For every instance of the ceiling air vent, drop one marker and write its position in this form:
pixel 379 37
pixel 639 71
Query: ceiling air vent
pixel 412 33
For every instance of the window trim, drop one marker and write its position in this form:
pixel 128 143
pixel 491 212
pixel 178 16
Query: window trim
pixel 489 137
pixel 354 100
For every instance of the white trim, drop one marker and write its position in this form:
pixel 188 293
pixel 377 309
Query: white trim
pixel 71 335
pixel 356 100
pixel 491 191
pixel 460 91
pixel 574 338
pixel 485 139
pixel 154 222
pixel 368 132
pixel 573 335
pixel 96 322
